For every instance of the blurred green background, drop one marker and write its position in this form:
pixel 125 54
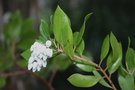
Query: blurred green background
pixel 19 27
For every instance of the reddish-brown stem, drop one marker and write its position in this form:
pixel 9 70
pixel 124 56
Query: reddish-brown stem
pixel 52 76
pixel 24 71
pixel 49 86
pixel 108 78
pixel 15 73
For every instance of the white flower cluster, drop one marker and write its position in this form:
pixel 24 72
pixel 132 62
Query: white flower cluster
pixel 39 55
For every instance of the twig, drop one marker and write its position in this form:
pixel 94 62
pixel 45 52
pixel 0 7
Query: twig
pixel 108 78
pixel 52 76
pixel 96 65
pixel 49 86
pixel 15 73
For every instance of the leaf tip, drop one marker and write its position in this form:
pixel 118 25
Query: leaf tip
pixel 129 41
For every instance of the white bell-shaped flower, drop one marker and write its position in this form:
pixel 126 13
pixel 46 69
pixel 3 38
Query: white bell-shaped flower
pixel 39 55
pixel 48 43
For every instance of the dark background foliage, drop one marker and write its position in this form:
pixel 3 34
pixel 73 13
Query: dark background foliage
pixel 117 16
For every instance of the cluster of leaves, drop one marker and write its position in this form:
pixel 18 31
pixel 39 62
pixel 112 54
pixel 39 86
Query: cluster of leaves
pixel 17 32
pixel 113 62
pixel 70 46
pixel 126 76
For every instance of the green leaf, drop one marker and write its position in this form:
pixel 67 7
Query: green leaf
pixel 102 81
pixel 61 27
pixel 129 41
pixel 13 28
pixel 44 31
pixel 115 65
pixel 26 25
pixel 68 49
pixel 127 82
pixel 25 43
pixel 130 60
pixel 80 80
pixel 2 82
pixel 41 39
pixel 80 48
pixel 122 71
pixel 75 37
pixel 115 58
pixel 51 24
pixel 26 54
pixel 79 61
pixel 22 63
pixel 6 57
pixel 86 68
pixel 61 61
pixel 82 29
pixel 62 31
pixel 105 48
pixel 109 59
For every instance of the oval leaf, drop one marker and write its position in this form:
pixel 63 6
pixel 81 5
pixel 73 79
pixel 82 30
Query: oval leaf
pixel 115 65
pixel 61 27
pixel 116 57
pixel 122 71
pixel 105 48
pixel 80 80
pixel 127 82
pixel 75 37
pixel 26 54
pixel 130 60
pixel 86 68
pixel 44 31
pixel 82 29
pixel 62 31
pixel 80 48
pixel 61 61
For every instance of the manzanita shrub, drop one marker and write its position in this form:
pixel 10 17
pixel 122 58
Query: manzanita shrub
pixel 57 41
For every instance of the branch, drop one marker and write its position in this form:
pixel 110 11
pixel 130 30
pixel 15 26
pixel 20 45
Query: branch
pixel 94 64
pixel 15 73
pixel 49 86
pixel 52 76
pixel 24 71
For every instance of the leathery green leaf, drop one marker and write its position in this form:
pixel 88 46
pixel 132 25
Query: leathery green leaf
pixel 44 31
pixel 80 48
pixel 130 60
pixel 102 81
pixel 61 27
pixel 115 65
pixel 82 29
pixel 86 68
pixel 109 60
pixel 127 82
pixel 26 54
pixel 75 37
pixel 62 31
pixel 122 71
pixel 68 49
pixel 61 61
pixel 116 57
pixel 80 80
pixel 105 48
